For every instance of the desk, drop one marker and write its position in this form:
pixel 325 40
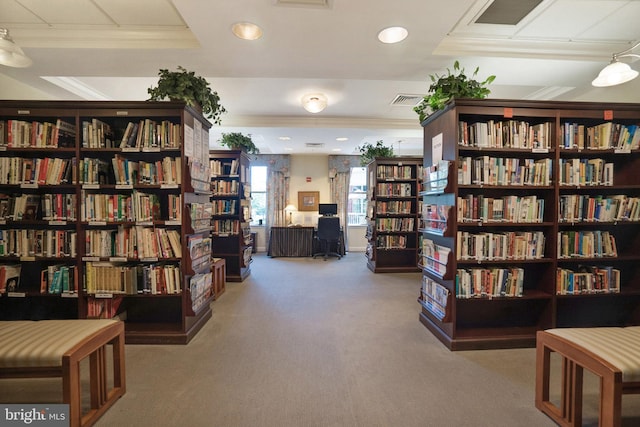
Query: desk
pixel 297 242
pixel 291 241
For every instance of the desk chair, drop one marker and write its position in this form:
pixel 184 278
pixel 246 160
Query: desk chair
pixel 328 234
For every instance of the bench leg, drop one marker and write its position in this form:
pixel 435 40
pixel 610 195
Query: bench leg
pixel 572 376
pixel 610 401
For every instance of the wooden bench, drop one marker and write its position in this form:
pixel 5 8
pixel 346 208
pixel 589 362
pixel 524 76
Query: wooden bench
pixel 612 354
pixel 55 348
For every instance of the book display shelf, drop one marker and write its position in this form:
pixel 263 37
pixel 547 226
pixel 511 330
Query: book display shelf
pixel 99 215
pixel 529 220
pixel 393 212
pixel 231 211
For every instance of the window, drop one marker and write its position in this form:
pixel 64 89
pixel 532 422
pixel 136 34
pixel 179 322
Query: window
pixel 258 194
pixel 357 207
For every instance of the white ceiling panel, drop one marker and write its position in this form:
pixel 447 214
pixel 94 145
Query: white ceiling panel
pixel 79 12
pixel 12 13
pixel 141 12
pixel 621 24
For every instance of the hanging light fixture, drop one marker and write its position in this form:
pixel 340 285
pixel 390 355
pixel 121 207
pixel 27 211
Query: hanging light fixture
pixel 10 53
pixel 314 102
pixel 617 72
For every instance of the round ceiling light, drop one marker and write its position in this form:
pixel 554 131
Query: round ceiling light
pixel 246 31
pixel 393 34
pixel 314 102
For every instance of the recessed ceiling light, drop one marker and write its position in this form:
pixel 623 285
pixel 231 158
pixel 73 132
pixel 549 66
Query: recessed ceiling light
pixel 342 138
pixel 336 149
pixel 284 138
pixel 393 34
pixel 246 31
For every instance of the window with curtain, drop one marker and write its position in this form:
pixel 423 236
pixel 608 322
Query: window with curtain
pixel 357 203
pixel 258 194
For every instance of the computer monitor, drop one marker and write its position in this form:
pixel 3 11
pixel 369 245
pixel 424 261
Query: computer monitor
pixel 328 209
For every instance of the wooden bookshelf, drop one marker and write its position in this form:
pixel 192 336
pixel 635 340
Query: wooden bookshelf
pixel 108 231
pixel 393 214
pixel 538 214
pixel 231 212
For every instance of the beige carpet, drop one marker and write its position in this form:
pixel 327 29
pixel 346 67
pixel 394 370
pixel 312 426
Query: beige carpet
pixel 306 342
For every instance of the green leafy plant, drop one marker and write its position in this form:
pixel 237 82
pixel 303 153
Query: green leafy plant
pixel 369 151
pixel 452 85
pixel 183 85
pixel 238 141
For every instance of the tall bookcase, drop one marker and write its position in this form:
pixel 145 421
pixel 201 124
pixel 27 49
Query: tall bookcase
pixel 529 220
pixel 393 212
pixel 231 211
pixel 99 214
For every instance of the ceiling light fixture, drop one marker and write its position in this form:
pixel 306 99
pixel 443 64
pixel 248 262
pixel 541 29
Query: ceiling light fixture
pixel 617 72
pixel 314 102
pixel 246 31
pixel 10 53
pixel 393 34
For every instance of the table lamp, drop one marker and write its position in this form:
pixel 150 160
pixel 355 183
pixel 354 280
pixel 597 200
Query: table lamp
pixel 290 209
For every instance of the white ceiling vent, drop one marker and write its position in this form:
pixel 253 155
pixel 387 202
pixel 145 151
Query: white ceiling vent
pixel 406 100
pixel 305 3
pixel 314 145
pixel 507 12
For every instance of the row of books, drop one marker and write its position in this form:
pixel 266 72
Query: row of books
pixel 103 308
pixel 39 171
pixel 223 187
pixel 511 245
pixel 505 134
pixel 487 170
pixel 38 243
pixel 400 189
pixel 224 207
pixel 110 278
pixel 527 209
pixel 149 133
pixel 36 134
pixel 224 167
pixel 395 224
pixel 133 242
pixel 586 172
pixel 200 290
pixel 583 207
pixel 434 257
pixel 131 172
pixel 59 278
pixel 394 207
pixel 55 207
pixel 435 298
pixel 434 218
pixel 223 227
pixel 391 242
pixel 604 136
pixel 395 172
pixel 587 280
pixel 489 282
pixel 135 206
pixel 10 277
pixel 586 244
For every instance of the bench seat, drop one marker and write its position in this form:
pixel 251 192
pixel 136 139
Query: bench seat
pixel 611 353
pixel 55 348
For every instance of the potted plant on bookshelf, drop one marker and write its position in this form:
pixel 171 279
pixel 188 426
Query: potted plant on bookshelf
pixel 184 85
pixel 369 151
pixel 238 141
pixel 452 85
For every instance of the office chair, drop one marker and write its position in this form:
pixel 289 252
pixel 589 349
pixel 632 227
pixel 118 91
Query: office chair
pixel 328 234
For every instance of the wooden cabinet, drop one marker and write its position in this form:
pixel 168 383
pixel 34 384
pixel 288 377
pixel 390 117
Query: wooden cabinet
pixel 114 230
pixel 231 211
pixel 528 220
pixel 393 210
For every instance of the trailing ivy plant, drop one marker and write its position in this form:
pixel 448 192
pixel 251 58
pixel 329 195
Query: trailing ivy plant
pixel 452 85
pixel 368 152
pixel 238 141
pixel 183 85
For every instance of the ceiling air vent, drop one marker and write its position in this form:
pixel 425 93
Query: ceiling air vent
pixel 307 3
pixel 407 100
pixel 507 12
pixel 314 145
